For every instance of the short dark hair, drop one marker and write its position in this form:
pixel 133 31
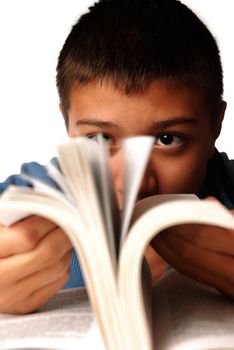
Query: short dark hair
pixel 134 42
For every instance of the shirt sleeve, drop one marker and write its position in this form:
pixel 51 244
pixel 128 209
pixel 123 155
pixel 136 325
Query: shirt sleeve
pixel 33 169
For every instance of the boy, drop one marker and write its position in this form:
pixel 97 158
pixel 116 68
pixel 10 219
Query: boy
pixel 133 67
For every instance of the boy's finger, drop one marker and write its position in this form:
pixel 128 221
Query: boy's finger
pixel 49 251
pixel 23 235
pixel 16 295
pixel 189 256
pixel 211 238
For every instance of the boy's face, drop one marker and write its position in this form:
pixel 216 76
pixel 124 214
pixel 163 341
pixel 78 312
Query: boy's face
pixel 178 118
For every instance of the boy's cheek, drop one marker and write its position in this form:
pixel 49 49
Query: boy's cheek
pixel 183 175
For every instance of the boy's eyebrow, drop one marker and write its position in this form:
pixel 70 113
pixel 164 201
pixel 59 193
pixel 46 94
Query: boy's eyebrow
pixel 160 124
pixel 96 122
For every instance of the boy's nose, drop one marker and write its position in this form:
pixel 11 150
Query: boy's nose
pixel 149 183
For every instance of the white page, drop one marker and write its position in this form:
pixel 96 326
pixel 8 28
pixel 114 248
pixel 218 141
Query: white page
pixel 111 213
pixel 98 190
pixel 9 217
pixel 147 203
pixel 58 177
pixel 136 155
pixel 76 162
pixel 66 322
pixel 191 315
pixel 45 187
pixel 141 233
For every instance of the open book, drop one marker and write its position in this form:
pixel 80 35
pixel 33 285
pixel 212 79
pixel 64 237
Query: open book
pixel 110 244
pixel 187 316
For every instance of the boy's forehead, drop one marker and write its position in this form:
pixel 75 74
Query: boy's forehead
pixel 159 101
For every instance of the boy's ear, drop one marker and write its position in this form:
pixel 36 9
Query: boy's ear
pixel 216 128
pixel 219 119
pixel 62 110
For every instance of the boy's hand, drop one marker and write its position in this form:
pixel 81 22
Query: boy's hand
pixel 34 264
pixel 204 253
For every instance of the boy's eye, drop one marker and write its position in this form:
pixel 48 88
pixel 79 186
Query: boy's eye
pixel 107 139
pixel 112 144
pixel 168 140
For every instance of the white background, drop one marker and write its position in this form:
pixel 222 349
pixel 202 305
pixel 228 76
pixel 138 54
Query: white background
pixel 32 33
